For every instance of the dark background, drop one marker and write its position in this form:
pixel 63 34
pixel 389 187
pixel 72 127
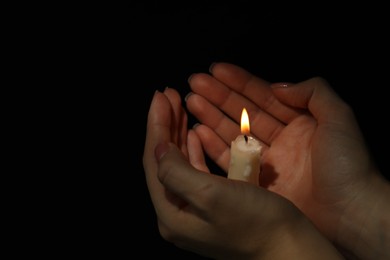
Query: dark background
pixel 134 49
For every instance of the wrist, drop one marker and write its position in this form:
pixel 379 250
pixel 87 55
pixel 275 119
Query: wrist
pixel 364 229
pixel 301 240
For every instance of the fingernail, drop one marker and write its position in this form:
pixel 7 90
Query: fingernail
pixel 190 77
pixel 281 85
pixel 187 96
pixel 160 150
pixel 211 67
pixel 195 125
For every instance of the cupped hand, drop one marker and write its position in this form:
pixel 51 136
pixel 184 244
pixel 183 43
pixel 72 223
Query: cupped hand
pixel 314 154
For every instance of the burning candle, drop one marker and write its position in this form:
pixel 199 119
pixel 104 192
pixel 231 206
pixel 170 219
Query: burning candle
pixel 245 154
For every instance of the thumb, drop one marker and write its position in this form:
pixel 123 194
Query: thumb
pixel 314 94
pixel 179 176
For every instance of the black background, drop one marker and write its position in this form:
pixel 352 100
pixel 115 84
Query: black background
pixel 124 53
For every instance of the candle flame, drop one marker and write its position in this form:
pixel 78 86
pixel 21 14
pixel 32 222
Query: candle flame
pixel 245 129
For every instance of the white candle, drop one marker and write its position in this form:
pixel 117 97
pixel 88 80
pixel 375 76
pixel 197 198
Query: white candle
pixel 245 154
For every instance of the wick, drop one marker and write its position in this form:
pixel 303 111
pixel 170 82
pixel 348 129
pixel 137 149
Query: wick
pixel 246 138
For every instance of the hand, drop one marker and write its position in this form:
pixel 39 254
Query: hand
pixel 315 154
pixel 212 215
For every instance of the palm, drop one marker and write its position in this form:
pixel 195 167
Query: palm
pixel 286 165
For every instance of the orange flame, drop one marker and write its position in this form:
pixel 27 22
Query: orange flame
pixel 245 128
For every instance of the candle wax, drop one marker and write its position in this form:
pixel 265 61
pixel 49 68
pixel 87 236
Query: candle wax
pixel 245 159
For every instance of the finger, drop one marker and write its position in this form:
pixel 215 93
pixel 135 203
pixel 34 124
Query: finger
pixel 179 119
pixel 195 152
pixel 158 130
pixel 255 89
pixel 208 114
pixel 263 126
pixel 315 95
pixel 214 146
pixel 221 96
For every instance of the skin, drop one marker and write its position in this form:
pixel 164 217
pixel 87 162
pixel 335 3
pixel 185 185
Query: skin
pixel 314 162
pixel 189 201
pixel 315 154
